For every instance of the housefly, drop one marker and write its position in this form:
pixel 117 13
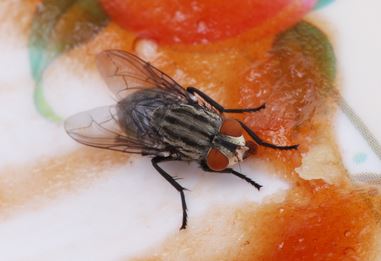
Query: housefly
pixel 155 116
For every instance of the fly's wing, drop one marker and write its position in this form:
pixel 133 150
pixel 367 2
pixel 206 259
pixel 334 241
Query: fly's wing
pixel 100 128
pixel 125 73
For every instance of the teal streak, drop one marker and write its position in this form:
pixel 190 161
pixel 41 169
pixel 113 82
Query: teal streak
pixel 360 158
pixel 42 51
pixel 39 61
pixel 322 3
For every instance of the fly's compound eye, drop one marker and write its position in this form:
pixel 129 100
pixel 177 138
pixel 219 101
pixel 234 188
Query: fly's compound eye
pixel 231 128
pixel 216 160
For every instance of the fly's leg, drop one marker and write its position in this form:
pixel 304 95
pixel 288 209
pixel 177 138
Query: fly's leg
pixel 235 173
pixel 174 183
pixel 263 143
pixel 219 107
pixel 245 178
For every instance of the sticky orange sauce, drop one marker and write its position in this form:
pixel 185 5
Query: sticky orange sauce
pixel 317 222
pixel 47 178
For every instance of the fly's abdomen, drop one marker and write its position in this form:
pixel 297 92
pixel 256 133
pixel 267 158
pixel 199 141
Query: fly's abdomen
pixel 135 112
pixel 188 129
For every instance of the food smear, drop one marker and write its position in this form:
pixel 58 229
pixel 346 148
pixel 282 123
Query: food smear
pixel 318 222
pixel 195 22
pixel 296 81
pixel 315 221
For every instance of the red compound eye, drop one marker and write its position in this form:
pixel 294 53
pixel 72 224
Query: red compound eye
pixel 231 128
pixel 216 160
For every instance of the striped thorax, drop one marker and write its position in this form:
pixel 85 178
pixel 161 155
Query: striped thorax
pixel 198 133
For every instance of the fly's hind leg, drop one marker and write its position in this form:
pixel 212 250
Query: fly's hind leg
pixel 218 106
pixel 174 183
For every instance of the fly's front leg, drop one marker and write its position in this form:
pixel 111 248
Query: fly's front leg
pixel 245 178
pixel 263 143
pixel 235 173
pixel 219 107
pixel 174 183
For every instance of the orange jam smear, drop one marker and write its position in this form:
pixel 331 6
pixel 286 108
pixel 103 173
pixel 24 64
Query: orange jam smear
pixel 316 222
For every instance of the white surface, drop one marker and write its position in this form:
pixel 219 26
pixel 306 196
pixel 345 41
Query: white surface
pixel 123 214
pixel 354 27
pixel 353 145
pixel 24 135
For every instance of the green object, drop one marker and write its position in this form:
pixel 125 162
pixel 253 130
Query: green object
pixel 42 106
pixel 322 3
pixel 78 20
pixel 307 39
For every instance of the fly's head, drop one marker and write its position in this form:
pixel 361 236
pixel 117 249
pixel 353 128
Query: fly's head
pixel 229 146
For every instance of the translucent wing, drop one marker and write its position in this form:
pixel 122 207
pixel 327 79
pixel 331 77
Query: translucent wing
pixel 100 128
pixel 125 73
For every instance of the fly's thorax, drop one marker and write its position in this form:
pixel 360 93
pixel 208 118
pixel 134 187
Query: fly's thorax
pixel 188 129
